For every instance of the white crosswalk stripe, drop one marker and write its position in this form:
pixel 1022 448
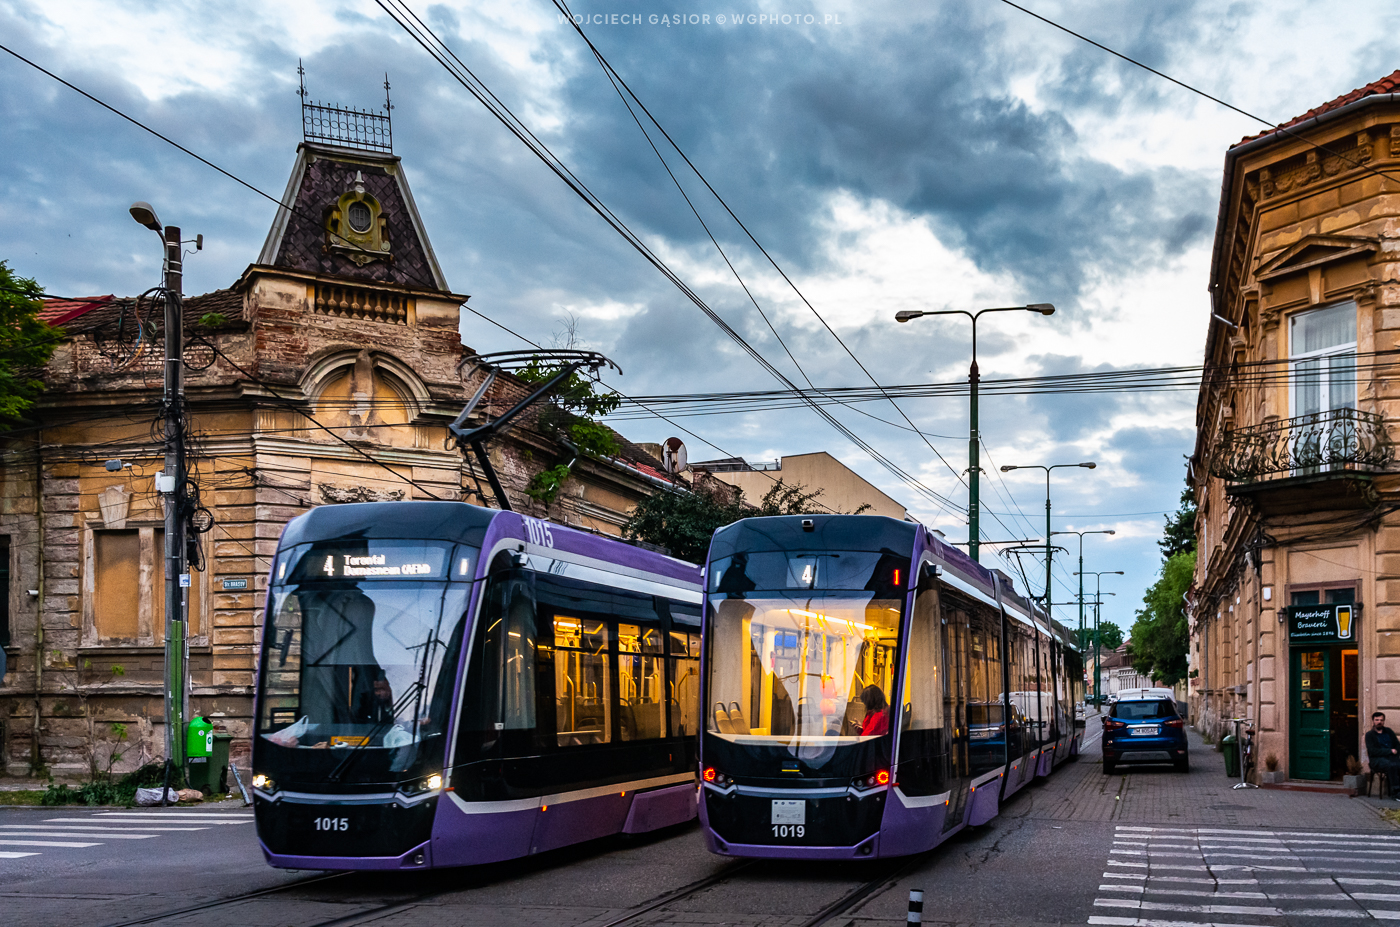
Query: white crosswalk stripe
pixel 1219 877
pixel 99 828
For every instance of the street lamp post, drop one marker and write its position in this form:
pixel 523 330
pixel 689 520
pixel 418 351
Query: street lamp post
pixel 1088 465
pixel 171 486
pixel 974 471
pixel 1098 598
pixel 1080 574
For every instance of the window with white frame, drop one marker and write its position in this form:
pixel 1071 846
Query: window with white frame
pixel 1322 346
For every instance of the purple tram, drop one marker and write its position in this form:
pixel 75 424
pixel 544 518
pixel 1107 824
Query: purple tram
pixel 869 690
pixel 444 685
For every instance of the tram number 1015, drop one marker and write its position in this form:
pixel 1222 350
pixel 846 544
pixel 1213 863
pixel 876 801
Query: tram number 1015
pixel 789 830
pixel 332 824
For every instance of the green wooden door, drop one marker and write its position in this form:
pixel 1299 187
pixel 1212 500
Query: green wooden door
pixel 1311 740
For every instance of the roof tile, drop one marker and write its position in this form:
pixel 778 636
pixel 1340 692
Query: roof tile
pixel 1388 84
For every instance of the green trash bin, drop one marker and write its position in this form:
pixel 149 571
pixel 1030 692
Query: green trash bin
pixel 199 745
pixel 1230 746
pixel 218 763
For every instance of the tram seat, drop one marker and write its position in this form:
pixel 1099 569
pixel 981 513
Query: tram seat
pixel 855 713
pixel 737 721
pixel 722 722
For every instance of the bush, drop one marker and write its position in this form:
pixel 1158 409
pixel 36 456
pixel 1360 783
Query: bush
pixel 103 791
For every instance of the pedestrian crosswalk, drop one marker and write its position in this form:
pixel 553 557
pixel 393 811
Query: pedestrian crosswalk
pixel 72 832
pixel 1235 877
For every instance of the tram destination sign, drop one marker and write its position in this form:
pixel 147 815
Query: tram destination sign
pixel 1322 624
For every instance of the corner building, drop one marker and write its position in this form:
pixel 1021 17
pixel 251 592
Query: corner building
pixel 1295 607
pixel 327 373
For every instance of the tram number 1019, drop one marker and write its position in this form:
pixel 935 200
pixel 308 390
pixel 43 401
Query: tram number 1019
pixel 789 830
pixel 332 823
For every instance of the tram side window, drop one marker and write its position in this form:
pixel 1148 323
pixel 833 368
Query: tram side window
pixel 985 714
pixel 923 751
pixel 500 693
pixel 582 687
pixel 685 669
pixel 641 681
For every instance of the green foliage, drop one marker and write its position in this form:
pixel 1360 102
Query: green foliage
pixel 684 522
pixel 1160 634
pixel 104 791
pixel 568 419
pixel 26 343
pixel 545 485
pixel 1110 634
pixel 1179 533
pixel 213 319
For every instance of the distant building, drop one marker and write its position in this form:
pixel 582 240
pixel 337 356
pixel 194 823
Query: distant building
pixel 1295 611
pixel 842 489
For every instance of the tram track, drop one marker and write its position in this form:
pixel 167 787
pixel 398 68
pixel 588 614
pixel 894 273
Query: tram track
pixel 223 902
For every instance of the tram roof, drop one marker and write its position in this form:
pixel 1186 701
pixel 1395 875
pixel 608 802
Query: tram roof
pixel 445 521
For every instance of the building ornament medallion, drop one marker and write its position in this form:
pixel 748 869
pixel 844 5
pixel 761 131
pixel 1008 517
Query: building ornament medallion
pixel 357 227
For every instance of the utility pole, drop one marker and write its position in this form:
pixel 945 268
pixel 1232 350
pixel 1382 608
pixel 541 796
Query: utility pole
pixel 176 577
pixel 1007 468
pixel 170 483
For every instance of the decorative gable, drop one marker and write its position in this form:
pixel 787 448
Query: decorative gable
pixel 1314 251
pixel 354 218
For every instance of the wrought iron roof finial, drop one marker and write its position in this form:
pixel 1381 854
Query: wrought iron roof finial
pixel 388 107
pixel 301 77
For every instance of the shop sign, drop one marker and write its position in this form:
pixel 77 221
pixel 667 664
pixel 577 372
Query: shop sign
pixel 1322 624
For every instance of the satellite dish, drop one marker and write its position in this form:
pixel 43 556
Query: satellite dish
pixel 673 456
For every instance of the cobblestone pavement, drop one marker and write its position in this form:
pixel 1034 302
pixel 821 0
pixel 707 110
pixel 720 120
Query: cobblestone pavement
pixel 1204 796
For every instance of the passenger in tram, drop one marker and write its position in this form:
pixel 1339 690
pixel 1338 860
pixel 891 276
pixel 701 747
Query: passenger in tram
pixel 877 712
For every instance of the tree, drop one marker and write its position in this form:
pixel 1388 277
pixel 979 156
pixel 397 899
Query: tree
pixel 1109 633
pixel 569 418
pixel 1179 533
pixel 684 522
pixel 1160 633
pixel 26 344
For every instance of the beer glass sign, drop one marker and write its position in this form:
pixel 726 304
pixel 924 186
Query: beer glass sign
pixel 1322 623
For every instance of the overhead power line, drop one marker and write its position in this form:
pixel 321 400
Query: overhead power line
pixel 443 54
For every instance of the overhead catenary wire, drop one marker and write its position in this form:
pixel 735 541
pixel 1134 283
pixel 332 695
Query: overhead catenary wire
pixel 444 55
pixel 620 85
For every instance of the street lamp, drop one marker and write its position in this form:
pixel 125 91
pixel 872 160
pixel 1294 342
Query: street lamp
pixel 974 471
pixel 171 485
pixel 1098 599
pixel 1081 567
pixel 1007 468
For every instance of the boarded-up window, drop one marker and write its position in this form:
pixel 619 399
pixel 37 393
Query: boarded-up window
pixel 116 585
pixel 157 593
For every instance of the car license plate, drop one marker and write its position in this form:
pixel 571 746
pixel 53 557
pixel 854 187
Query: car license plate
pixel 789 811
pixel 1146 731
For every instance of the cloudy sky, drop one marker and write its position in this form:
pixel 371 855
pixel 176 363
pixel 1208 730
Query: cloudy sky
pixel 942 155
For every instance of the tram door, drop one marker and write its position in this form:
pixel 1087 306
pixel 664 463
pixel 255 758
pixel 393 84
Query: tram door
pixel 955 673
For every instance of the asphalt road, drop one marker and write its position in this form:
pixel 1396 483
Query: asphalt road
pixel 1139 849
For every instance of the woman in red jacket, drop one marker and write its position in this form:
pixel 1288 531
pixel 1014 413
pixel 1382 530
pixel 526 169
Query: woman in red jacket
pixel 877 712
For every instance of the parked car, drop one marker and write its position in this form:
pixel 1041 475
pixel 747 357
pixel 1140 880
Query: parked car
pixel 1155 692
pixel 1144 731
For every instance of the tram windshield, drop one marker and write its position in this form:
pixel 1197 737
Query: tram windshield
pixel 359 655
pixel 804 667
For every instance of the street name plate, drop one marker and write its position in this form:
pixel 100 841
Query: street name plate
pixel 235 584
pixel 789 811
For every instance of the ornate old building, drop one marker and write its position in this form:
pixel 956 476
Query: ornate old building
pixel 327 373
pixel 1295 609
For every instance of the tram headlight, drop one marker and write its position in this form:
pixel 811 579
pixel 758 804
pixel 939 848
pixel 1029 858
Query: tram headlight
pixel 263 783
pixel 434 783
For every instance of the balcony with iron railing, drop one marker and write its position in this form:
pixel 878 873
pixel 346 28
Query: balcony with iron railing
pixel 1338 443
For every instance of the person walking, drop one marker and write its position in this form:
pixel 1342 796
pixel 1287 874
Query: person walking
pixel 1383 752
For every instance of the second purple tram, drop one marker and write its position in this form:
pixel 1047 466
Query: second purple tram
pixel 869 690
pixel 445 685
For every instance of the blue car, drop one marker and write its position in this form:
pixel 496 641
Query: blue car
pixel 1144 731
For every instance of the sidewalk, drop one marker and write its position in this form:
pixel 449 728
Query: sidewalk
pixel 1080 791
